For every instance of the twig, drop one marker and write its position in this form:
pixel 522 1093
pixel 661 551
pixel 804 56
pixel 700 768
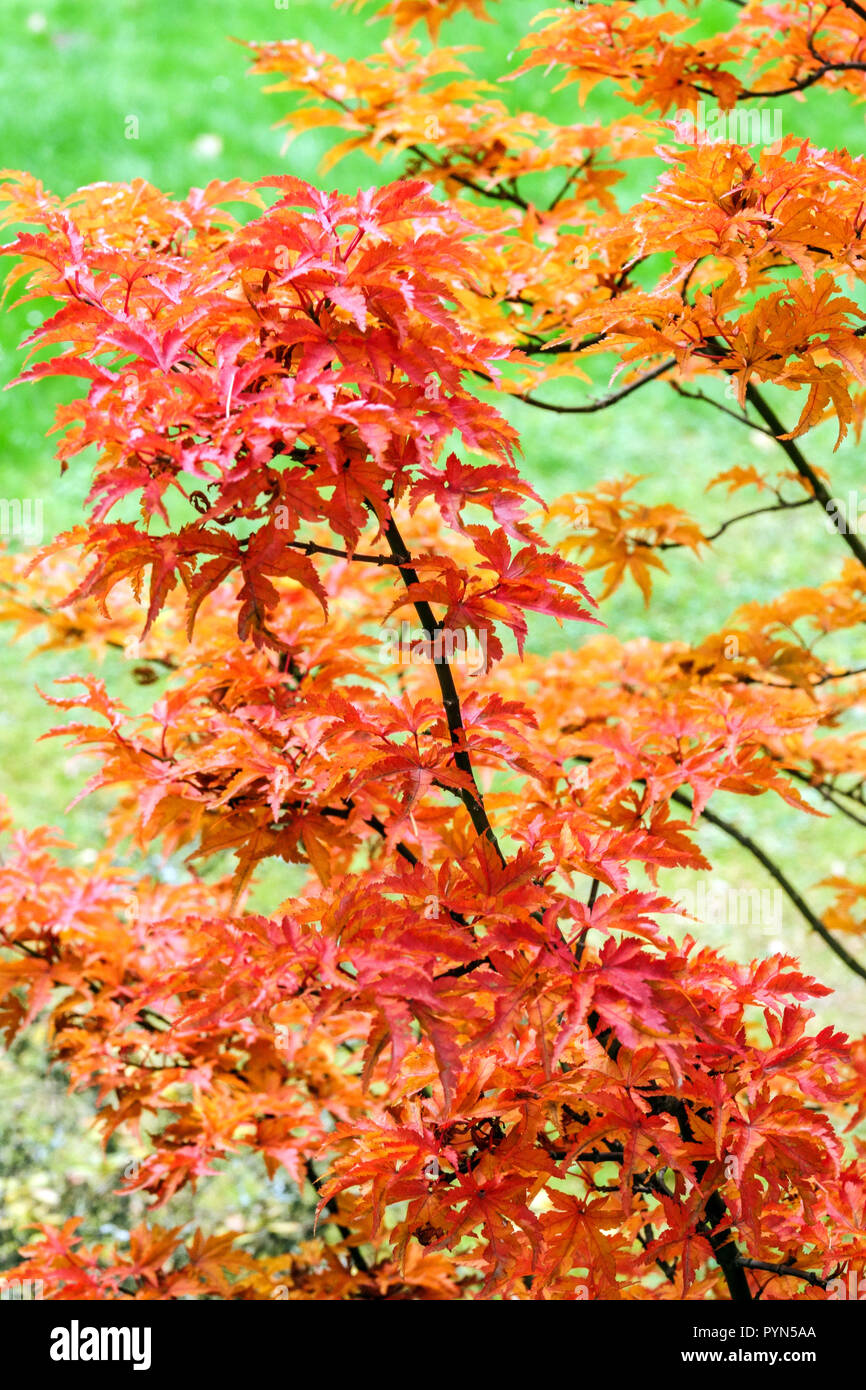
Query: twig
pixel 471 795
pixel 803 467
pixel 784 883
pixel 790 1271
pixel 717 405
pixel 605 401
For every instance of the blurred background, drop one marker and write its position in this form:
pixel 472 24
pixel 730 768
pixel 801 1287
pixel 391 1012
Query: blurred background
pixel 155 89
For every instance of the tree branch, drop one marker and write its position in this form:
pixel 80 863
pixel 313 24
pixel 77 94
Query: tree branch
pixel 717 405
pixel 605 401
pixel 784 883
pixel 780 506
pixel 803 467
pixel 470 796
pixel 789 1271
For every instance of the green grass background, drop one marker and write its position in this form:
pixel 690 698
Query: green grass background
pixel 74 73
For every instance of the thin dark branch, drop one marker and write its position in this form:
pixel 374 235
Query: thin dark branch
pixel 773 870
pixel 605 401
pixel 646 1238
pixel 313 548
pixel 744 679
pixel 789 1271
pixel 723 1244
pixel 470 795
pixel 571 176
pixel 556 349
pixel 827 794
pixel 717 405
pixel 784 883
pixel 590 903
pixel 803 467
pixel 840 675
pixel 793 453
pixel 331 1208
pixel 498 194
pixel 800 86
pixel 458 970
pixel 780 506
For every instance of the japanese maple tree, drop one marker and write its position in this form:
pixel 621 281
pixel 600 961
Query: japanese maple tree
pixel 471 1026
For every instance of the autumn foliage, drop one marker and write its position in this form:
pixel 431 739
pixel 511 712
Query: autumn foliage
pixel 472 1027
